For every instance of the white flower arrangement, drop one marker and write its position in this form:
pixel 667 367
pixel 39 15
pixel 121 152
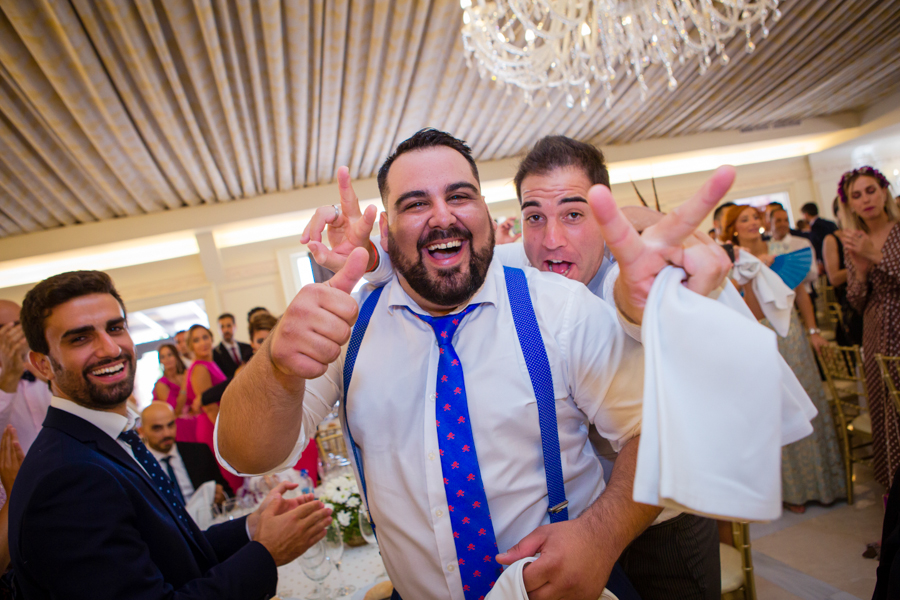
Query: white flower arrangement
pixel 341 494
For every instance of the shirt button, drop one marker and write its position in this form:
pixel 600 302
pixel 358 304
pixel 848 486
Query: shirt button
pixel 439 513
pixel 451 567
pixel 433 397
pixel 431 456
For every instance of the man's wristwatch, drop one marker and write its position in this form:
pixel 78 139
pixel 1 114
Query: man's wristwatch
pixel 814 330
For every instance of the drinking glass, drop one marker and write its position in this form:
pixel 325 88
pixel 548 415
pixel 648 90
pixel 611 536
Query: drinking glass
pixel 317 572
pixel 334 550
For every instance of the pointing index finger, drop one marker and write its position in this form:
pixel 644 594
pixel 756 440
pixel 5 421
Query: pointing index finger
pixel 676 226
pixel 349 201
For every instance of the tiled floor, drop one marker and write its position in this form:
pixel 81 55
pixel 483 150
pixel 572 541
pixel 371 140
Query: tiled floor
pixel 818 555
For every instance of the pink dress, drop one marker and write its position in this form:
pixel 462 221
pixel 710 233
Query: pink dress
pixel 205 427
pixel 186 425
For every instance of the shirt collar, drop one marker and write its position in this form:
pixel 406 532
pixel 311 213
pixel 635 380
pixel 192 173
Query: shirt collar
pixel 110 423
pixel 486 294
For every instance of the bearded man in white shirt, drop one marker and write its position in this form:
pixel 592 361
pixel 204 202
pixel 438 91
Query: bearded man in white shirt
pixel 439 235
pixel 677 558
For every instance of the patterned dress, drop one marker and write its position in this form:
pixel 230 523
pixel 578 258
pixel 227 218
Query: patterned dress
pixel 811 468
pixel 879 301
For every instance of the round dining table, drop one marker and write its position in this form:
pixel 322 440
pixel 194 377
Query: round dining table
pixel 361 567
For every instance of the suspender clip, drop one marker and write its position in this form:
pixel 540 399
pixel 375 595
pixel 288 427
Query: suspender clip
pixel 559 507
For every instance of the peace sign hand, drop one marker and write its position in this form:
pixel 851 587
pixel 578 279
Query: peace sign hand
pixel 346 229
pixel 671 241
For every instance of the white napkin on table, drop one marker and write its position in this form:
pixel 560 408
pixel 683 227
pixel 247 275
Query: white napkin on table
pixel 511 585
pixel 719 402
pixel 200 504
pixel 775 298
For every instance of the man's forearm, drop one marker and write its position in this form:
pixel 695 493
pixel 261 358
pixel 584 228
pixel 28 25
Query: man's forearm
pixel 260 416
pixel 615 517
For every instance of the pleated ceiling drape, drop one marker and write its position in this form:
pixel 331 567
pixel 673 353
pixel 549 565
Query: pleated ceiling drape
pixel 111 108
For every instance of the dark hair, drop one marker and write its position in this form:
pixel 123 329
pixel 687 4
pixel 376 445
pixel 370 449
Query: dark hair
pixel 422 140
pixel 177 333
pixel 59 289
pixel 255 310
pixel 265 322
pixel 226 316
pixel 771 204
pixel 720 208
pixel 557 152
pixel 179 365
pixel 810 209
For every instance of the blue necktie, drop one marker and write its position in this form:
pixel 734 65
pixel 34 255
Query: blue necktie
pixel 171 472
pixel 165 485
pixel 470 515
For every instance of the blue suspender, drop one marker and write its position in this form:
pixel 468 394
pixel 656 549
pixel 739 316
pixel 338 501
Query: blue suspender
pixel 532 345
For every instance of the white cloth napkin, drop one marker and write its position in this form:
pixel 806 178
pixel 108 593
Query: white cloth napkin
pixel 200 504
pixel 511 585
pixel 719 402
pixel 775 298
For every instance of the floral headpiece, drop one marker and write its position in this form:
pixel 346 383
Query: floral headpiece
pixel 868 171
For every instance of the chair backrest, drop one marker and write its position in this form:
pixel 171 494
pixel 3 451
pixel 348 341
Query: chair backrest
pixel 890 372
pixel 330 440
pixel 835 313
pixel 741 533
pixel 842 364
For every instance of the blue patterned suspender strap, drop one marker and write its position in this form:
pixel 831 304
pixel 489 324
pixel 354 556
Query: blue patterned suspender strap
pixel 532 345
pixel 535 353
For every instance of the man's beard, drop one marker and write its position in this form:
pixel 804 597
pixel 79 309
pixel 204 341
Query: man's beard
pixel 450 287
pixel 82 390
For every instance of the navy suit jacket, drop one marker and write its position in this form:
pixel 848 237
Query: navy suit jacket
pixel 85 522
pixel 818 231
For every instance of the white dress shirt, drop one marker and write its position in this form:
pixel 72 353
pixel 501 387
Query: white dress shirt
pixel 597 378
pixel 25 409
pixel 181 473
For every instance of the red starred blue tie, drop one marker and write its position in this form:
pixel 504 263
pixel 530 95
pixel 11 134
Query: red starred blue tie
pixel 470 516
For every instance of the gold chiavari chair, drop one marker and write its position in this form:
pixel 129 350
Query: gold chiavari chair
pixel 890 372
pixel 846 386
pixel 737 565
pixel 330 440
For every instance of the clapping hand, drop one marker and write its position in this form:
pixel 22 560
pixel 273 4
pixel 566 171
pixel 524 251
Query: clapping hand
pixel 287 528
pixel 347 228
pixel 11 457
pixel 672 241
pixel 860 249
pixel 13 356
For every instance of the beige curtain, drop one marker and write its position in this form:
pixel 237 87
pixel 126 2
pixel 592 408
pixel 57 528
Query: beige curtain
pixel 121 107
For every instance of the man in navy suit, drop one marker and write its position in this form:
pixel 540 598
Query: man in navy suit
pixel 818 228
pixel 92 515
pixel 229 354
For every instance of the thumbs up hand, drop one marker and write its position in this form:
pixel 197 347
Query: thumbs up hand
pixel 317 323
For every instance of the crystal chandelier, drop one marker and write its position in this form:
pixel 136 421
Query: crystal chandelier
pixel 581 46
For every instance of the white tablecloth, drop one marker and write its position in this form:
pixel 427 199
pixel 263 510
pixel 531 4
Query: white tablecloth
pixel 360 567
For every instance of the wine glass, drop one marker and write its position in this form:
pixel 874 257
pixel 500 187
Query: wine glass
pixel 368 534
pixel 316 567
pixel 334 550
pixel 313 557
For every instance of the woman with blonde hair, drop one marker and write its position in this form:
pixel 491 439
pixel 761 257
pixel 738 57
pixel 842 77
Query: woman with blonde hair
pixel 872 249
pixel 811 468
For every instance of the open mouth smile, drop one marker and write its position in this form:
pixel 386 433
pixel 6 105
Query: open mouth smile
pixel 560 267
pixel 109 372
pixel 444 251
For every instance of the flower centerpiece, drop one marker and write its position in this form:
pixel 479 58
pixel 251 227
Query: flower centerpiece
pixel 341 494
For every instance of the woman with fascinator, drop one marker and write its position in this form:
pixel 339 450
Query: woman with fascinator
pixel 811 468
pixel 871 240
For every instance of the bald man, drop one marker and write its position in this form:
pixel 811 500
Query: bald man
pixel 23 397
pixel 189 464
